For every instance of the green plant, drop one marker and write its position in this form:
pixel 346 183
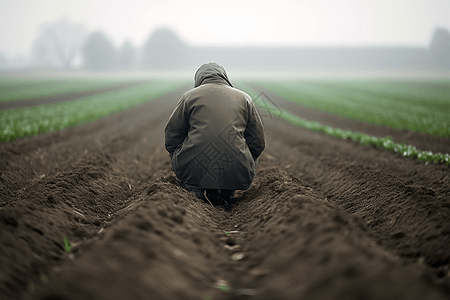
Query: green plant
pixel 16 123
pixel 362 138
pixel 67 246
pixel 420 106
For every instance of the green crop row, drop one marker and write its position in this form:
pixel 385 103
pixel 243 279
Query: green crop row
pixel 16 123
pixel 31 88
pixel 362 138
pixel 418 106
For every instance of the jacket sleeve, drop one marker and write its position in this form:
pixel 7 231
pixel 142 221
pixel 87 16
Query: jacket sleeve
pixel 254 133
pixel 177 128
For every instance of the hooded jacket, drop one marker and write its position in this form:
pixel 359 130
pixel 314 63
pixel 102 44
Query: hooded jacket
pixel 215 134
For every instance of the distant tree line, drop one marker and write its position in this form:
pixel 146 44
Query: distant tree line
pixel 65 45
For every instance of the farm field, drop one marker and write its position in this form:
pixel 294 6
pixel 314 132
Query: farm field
pixel 21 122
pixel 414 105
pixel 93 211
pixel 362 132
pixel 19 88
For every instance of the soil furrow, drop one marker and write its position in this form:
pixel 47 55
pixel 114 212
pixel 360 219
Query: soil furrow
pixel 408 216
pixel 26 160
pixel 303 247
pixel 135 234
pixel 287 243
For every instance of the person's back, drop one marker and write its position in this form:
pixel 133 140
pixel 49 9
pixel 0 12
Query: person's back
pixel 214 136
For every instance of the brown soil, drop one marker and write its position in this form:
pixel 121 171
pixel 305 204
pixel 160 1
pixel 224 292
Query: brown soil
pixel 66 97
pixel 324 219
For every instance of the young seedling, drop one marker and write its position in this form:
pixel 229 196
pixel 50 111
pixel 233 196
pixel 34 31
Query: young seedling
pixel 67 245
pixel 222 285
pixel 224 288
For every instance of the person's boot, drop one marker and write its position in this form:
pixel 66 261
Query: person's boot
pixel 227 195
pixel 215 199
pixel 225 205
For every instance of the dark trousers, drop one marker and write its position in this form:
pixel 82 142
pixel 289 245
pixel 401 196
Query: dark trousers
pixel 211 194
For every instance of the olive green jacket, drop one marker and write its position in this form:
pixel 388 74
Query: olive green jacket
pixel 215 134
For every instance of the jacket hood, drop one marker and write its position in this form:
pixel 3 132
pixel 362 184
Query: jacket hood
pixel 209 73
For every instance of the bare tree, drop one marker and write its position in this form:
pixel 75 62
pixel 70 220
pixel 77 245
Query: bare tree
pixel 58 44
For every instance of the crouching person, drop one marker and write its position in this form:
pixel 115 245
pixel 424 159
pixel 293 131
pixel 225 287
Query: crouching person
pixel 214 137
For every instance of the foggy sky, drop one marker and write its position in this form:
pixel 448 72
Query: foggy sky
pixel 233 23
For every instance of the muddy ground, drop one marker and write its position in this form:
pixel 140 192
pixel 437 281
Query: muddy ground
pixel 323 219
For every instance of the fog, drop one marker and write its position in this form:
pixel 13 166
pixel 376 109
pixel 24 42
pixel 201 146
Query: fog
pixel 164 50
pixel 322 35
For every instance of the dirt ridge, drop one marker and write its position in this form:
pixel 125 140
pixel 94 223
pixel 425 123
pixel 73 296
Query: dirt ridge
pixel 108 188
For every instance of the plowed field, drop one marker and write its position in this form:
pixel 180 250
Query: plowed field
pixel 324 218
